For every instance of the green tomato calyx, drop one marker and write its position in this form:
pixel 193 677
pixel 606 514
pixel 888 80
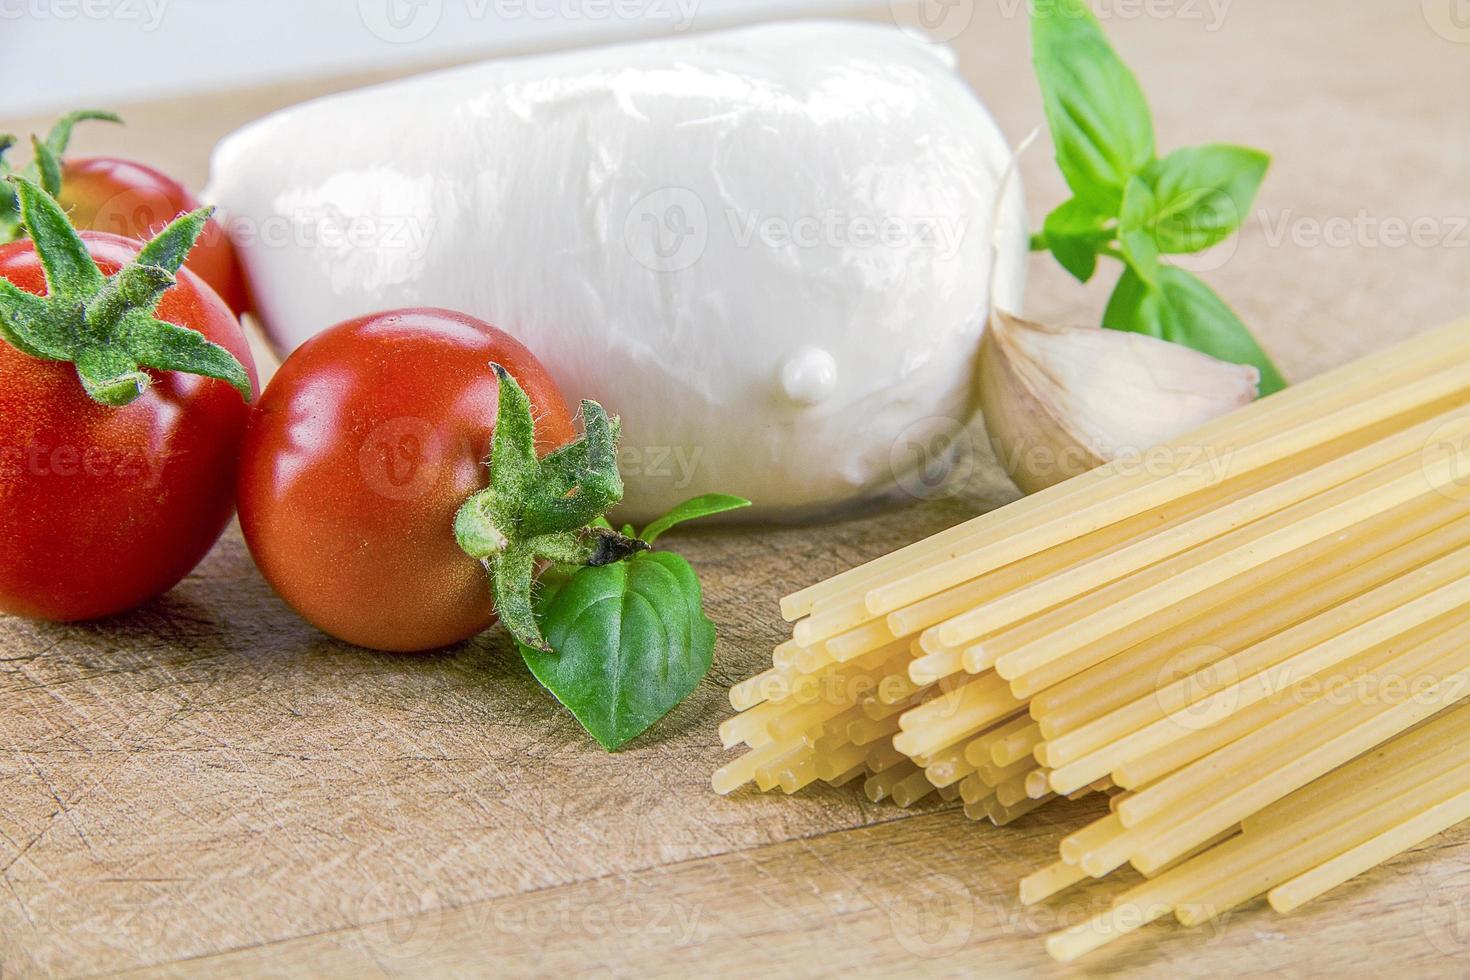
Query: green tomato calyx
pixel 44 168
pixel 542 509
pixel 104 325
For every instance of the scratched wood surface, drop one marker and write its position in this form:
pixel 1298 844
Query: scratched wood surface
pixel 207 786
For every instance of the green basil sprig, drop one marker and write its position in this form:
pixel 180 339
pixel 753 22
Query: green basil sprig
pixel 629 641
pixel 1132 205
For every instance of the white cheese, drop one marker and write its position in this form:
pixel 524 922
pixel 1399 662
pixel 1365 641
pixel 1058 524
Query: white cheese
pixel 769 250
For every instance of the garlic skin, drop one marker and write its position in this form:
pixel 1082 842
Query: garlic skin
pixel 1059 401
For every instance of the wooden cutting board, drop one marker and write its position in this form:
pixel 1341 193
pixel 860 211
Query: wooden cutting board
pixel 207 785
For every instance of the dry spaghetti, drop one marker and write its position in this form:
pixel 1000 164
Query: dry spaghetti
pixel 1248 640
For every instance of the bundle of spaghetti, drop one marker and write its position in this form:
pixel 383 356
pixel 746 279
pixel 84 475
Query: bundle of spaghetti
pixel 1223 635
pixel 1312 840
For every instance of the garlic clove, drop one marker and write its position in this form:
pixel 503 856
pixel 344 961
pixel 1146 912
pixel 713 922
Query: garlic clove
pixel 1059 401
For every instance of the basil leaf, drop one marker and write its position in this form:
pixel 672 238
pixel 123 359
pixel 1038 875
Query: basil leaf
pixel 1183 310
pixel 631 642
pixel 705 506
pixel 1202 195
pixel 1098 116
pixel 1076 234
pixel 1135 231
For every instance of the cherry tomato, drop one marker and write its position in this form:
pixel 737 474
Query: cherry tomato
pixel 102 508
pixel 135 201
pixel 365 444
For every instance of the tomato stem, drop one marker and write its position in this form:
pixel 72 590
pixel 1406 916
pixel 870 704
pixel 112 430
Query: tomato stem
pixel 542 509
pixel 44 168
pixel 104 325
pixel 591 546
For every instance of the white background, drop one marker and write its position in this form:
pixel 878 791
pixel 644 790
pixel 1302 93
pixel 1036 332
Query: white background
pixel 59 54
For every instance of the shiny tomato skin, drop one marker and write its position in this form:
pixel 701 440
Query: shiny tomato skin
pixel 126 198
pixel 102 509
pixel 359 454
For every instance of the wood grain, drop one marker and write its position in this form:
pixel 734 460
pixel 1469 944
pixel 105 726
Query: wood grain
pixel 207 786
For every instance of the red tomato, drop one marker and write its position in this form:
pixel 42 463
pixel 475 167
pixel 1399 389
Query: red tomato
pixel 101 508
pixel 359 454
pixel 129 199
